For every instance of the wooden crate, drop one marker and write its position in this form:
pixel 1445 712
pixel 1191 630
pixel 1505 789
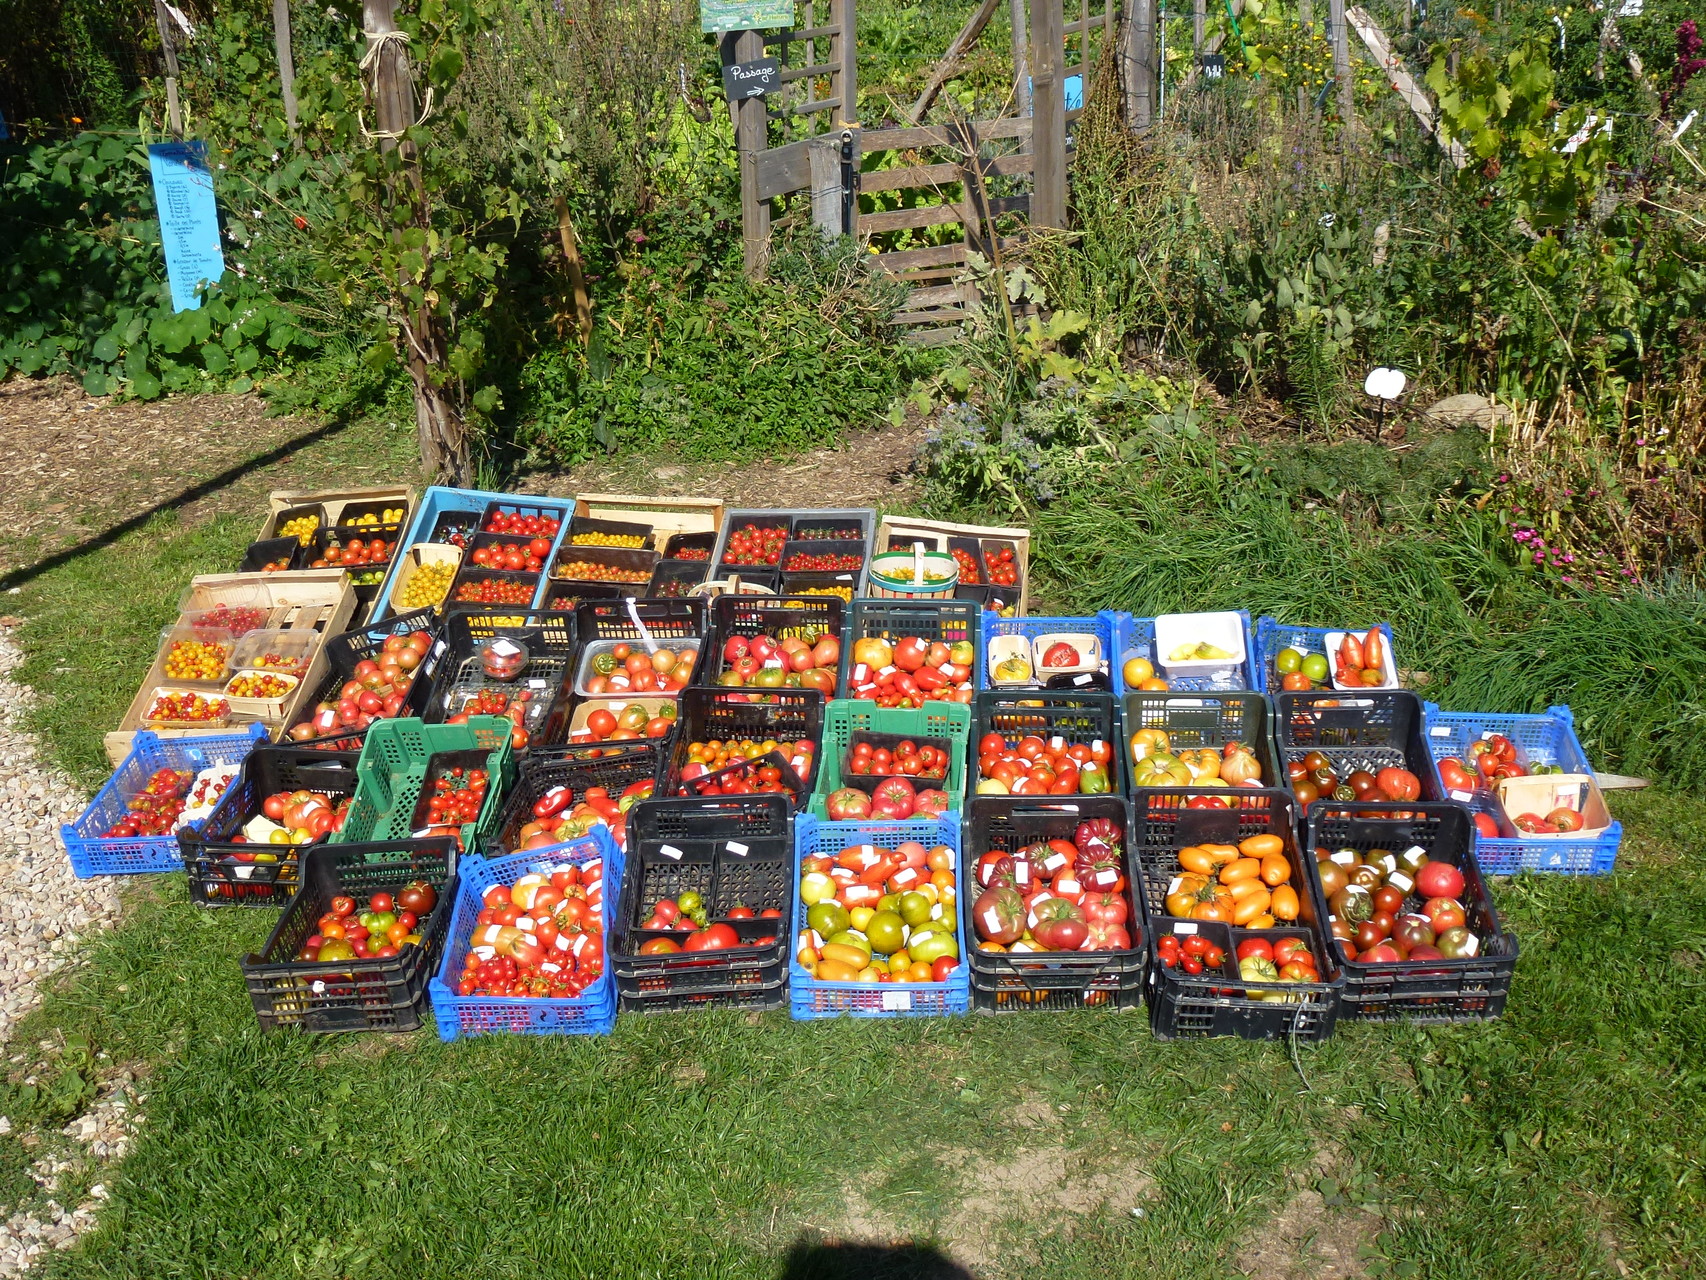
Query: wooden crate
pixel 935 535
pixel 334 500
pixel 667 515
pixel 321 601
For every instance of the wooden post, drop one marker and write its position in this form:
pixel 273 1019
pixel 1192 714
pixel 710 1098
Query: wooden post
pixel 1199 20
pixel 1021 57
pixel 578 292
pixel 846 55
pixel 823 158
pixel 1139 57
pixel 1048 112
pixel 286 63
pixel 169 46
pixel 1341 59
pixel 751 138
pixel 442 433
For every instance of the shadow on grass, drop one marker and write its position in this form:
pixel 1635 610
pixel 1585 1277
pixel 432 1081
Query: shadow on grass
pixel 108 536
pixel 811 1259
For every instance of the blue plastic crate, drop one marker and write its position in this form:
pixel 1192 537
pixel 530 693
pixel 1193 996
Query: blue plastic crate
pixel 1548 738
pixel 592 1013
pixel 94 855
pixel 1099 625
pixel 1134 637
pixel 440 500
pixel 1272 635
pixel 808 998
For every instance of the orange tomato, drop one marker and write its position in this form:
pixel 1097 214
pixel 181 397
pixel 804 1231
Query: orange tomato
pixel 1275 869
pixel 1285 904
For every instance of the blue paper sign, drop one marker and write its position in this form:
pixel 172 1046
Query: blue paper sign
pixel 189 219
pixel 1073 87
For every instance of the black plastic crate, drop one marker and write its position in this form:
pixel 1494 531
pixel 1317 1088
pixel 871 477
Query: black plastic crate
pixel 1182 1005
pixel 366 643
pixel 808 617
pixel 358 995
pixel 577 768
pixel 571 595
pixel 263 553
pixel 547 635
pixel 315 509
pixel 708 715
pixel 622 619
pixel 594 525
pixel 1465 990
pixel 353 511
pixel 472 575
pixel 823 547
pixel 455 528
pixel 679 542
pixel 1085 718
pixel 1193 721
pixel 620 559
pixel 220 868
pixel 675 579
pixel 1004 982
pixel 1371 729
pixel 734 851
pixel 524 507
pixel 653 995
pixel 501 542
pixel 950 621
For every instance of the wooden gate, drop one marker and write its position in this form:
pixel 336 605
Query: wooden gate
pixel 944 171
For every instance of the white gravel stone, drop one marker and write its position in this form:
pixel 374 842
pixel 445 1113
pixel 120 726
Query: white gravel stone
pixel 44 911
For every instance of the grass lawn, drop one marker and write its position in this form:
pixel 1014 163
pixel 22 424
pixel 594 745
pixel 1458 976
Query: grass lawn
pixel 1564 1140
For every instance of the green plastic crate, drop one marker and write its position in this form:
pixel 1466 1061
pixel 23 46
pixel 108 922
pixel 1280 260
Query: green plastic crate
pixel 393 771
pixel 844 716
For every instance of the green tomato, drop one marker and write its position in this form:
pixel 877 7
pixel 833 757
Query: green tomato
pixel 914 908
pixel 1287 661
pixel 1315 667
pixel 931 947
pixel 828 918
pixel 852 939
pixel 689 902
pixel 886 932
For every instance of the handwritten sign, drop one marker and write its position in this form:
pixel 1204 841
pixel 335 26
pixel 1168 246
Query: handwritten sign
pixel 745 15
pixel 752 79
pixel 189 219
pixel 1213 66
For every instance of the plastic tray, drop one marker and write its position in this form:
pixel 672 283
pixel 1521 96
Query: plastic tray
pixel 345 652
pixel 628 618
pixel 844 717
pixel 405 566
pixel 1134 637
pixel 571 595
pixel 1077 717
pixel 712 714
pixel 683 574
pixel 269 550
pixel 1196 720
pixel 1373 730
pixel 810 998
pixel 1549 738
pixel 1469 990
pixel 1003 982
pixel 622 559
pixel 359 995
pixel 472 575
pixel 1272 635
pixel 549 639
pixel 1186 1006
pixel 733 850
pixel 92 854
pixel 213 860
pixel 590 653
pixel 679 542
pixel 290 650
pixel 591 1013
pixel 863 518
pixel 1100 626
pixel 592 524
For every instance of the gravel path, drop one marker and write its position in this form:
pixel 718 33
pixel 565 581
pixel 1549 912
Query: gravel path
pixel 44 911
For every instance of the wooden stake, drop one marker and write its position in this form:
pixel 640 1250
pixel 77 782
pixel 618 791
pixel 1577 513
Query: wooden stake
pixel 1021 55
pixel 1199 20
pixel 286 63
pixel 169 46
pixel 846 51
pixel 1048 111
pixel 1139 56
pixel 581 296
pixel 1341 60
pixel 751 138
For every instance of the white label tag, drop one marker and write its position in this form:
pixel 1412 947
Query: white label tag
pixel 773 662
pixel 735 846
pixel 1462 796
pixel 1173 885
pixel 535 683
pixel 1105 878
pixel 670 851
pixel 504 647
pixel 1022 874
pixel 1440 731
pixel 886 671
pixel 1054 862
pixel 438 649
pixel 1564 797
pixel 1472 945
pixel 860 672
pixel 1186 928
pixel 897 1001
pixel 1401 882
pixel 947 669
pixel 991 921
pixel 1083 679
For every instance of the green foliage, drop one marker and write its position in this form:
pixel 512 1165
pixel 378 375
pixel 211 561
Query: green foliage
pixel 1548 159
pixel 83 289
pixel 697 358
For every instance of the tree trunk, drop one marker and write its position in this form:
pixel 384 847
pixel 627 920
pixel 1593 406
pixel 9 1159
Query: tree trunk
pixel 439 424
